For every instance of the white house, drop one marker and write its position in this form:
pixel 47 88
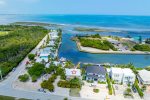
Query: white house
pixel 44 54
pixel 144 77
pixel 51 43
pixel 122 75
pixel 53 35
pixel 116 74
pixel 128 76
pixel 71 73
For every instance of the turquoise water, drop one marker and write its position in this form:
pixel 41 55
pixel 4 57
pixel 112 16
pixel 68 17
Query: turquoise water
pixel 132 25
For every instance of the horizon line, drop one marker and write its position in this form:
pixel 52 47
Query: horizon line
pixel 79 14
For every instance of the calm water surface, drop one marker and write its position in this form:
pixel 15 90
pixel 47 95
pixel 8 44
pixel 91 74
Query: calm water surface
pixel 140 26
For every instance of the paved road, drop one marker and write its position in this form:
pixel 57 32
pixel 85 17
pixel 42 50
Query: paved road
pixel 7 89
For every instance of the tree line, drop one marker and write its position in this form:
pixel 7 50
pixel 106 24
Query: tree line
pixel 19 41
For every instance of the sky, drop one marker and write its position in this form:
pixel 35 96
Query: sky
pixel 98 7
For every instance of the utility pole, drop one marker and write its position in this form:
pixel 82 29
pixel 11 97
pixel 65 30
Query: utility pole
pixel 1 74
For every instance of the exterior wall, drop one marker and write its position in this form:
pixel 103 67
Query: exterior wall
pixel 128 79
pixel 143 82
pixel 71 77
pixel 101 78
pixel 117 77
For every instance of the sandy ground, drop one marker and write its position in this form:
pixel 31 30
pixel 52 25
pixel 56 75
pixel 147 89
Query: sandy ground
pixel 29 85
pixel 87 91
pixel 94 50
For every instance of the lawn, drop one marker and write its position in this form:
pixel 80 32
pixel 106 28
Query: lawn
pixel 74 92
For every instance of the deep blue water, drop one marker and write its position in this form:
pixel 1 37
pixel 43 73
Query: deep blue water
pixel 133 25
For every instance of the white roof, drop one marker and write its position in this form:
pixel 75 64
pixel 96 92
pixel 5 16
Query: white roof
pixel 108 70
pixel 128 71
pixel 73 72
pixel 116 70
pixel 145 75
pixel 51 43
pixel 56 63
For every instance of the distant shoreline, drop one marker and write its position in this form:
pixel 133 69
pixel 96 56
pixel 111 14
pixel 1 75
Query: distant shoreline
pixel 97 51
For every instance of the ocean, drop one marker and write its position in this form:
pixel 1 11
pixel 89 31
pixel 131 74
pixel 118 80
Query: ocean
pixel 131 25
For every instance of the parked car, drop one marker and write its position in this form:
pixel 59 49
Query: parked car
pixel 41 90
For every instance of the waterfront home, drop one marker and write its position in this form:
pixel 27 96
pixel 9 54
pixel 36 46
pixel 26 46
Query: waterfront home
pixel 144 77
pixel 128 76
pixel 72 73
pixel 96 73
pixel 44 54
pixel 116 74
pixel 122 75
pixel 51 43
pixel 53 35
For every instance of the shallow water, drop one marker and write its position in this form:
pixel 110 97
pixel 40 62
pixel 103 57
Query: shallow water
pixel 136 26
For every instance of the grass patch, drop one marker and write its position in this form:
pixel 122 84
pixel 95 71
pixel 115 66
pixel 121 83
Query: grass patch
pixel 74 92
pixel 96 90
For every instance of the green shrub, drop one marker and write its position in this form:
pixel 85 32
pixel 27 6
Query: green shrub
pixel 99 44
pixel 65 98
pixel 36 70
pixel 142 47
pixel 74 83
pixel 109 85
pixel 99 82
pixel 44 84
pixel 31 56
pixel 96 90
pixel 141 94
pixel 34 78
pixel 50 87
pixel 24 78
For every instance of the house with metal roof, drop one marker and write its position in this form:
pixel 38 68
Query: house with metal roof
pixel 96 73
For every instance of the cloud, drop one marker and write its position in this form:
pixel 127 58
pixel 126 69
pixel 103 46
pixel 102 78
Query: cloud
pixel 2 2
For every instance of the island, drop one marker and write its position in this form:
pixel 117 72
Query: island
pixel 93 29
pixel 37 24
pixel 110 45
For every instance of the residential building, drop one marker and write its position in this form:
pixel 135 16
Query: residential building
pixel 53 35
pixel 128 76
pixel 96 73
pixel 144 77
pixel 51 43
pixel 44 54
pixel 122 75
pixel 72 73
pixel 116 74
